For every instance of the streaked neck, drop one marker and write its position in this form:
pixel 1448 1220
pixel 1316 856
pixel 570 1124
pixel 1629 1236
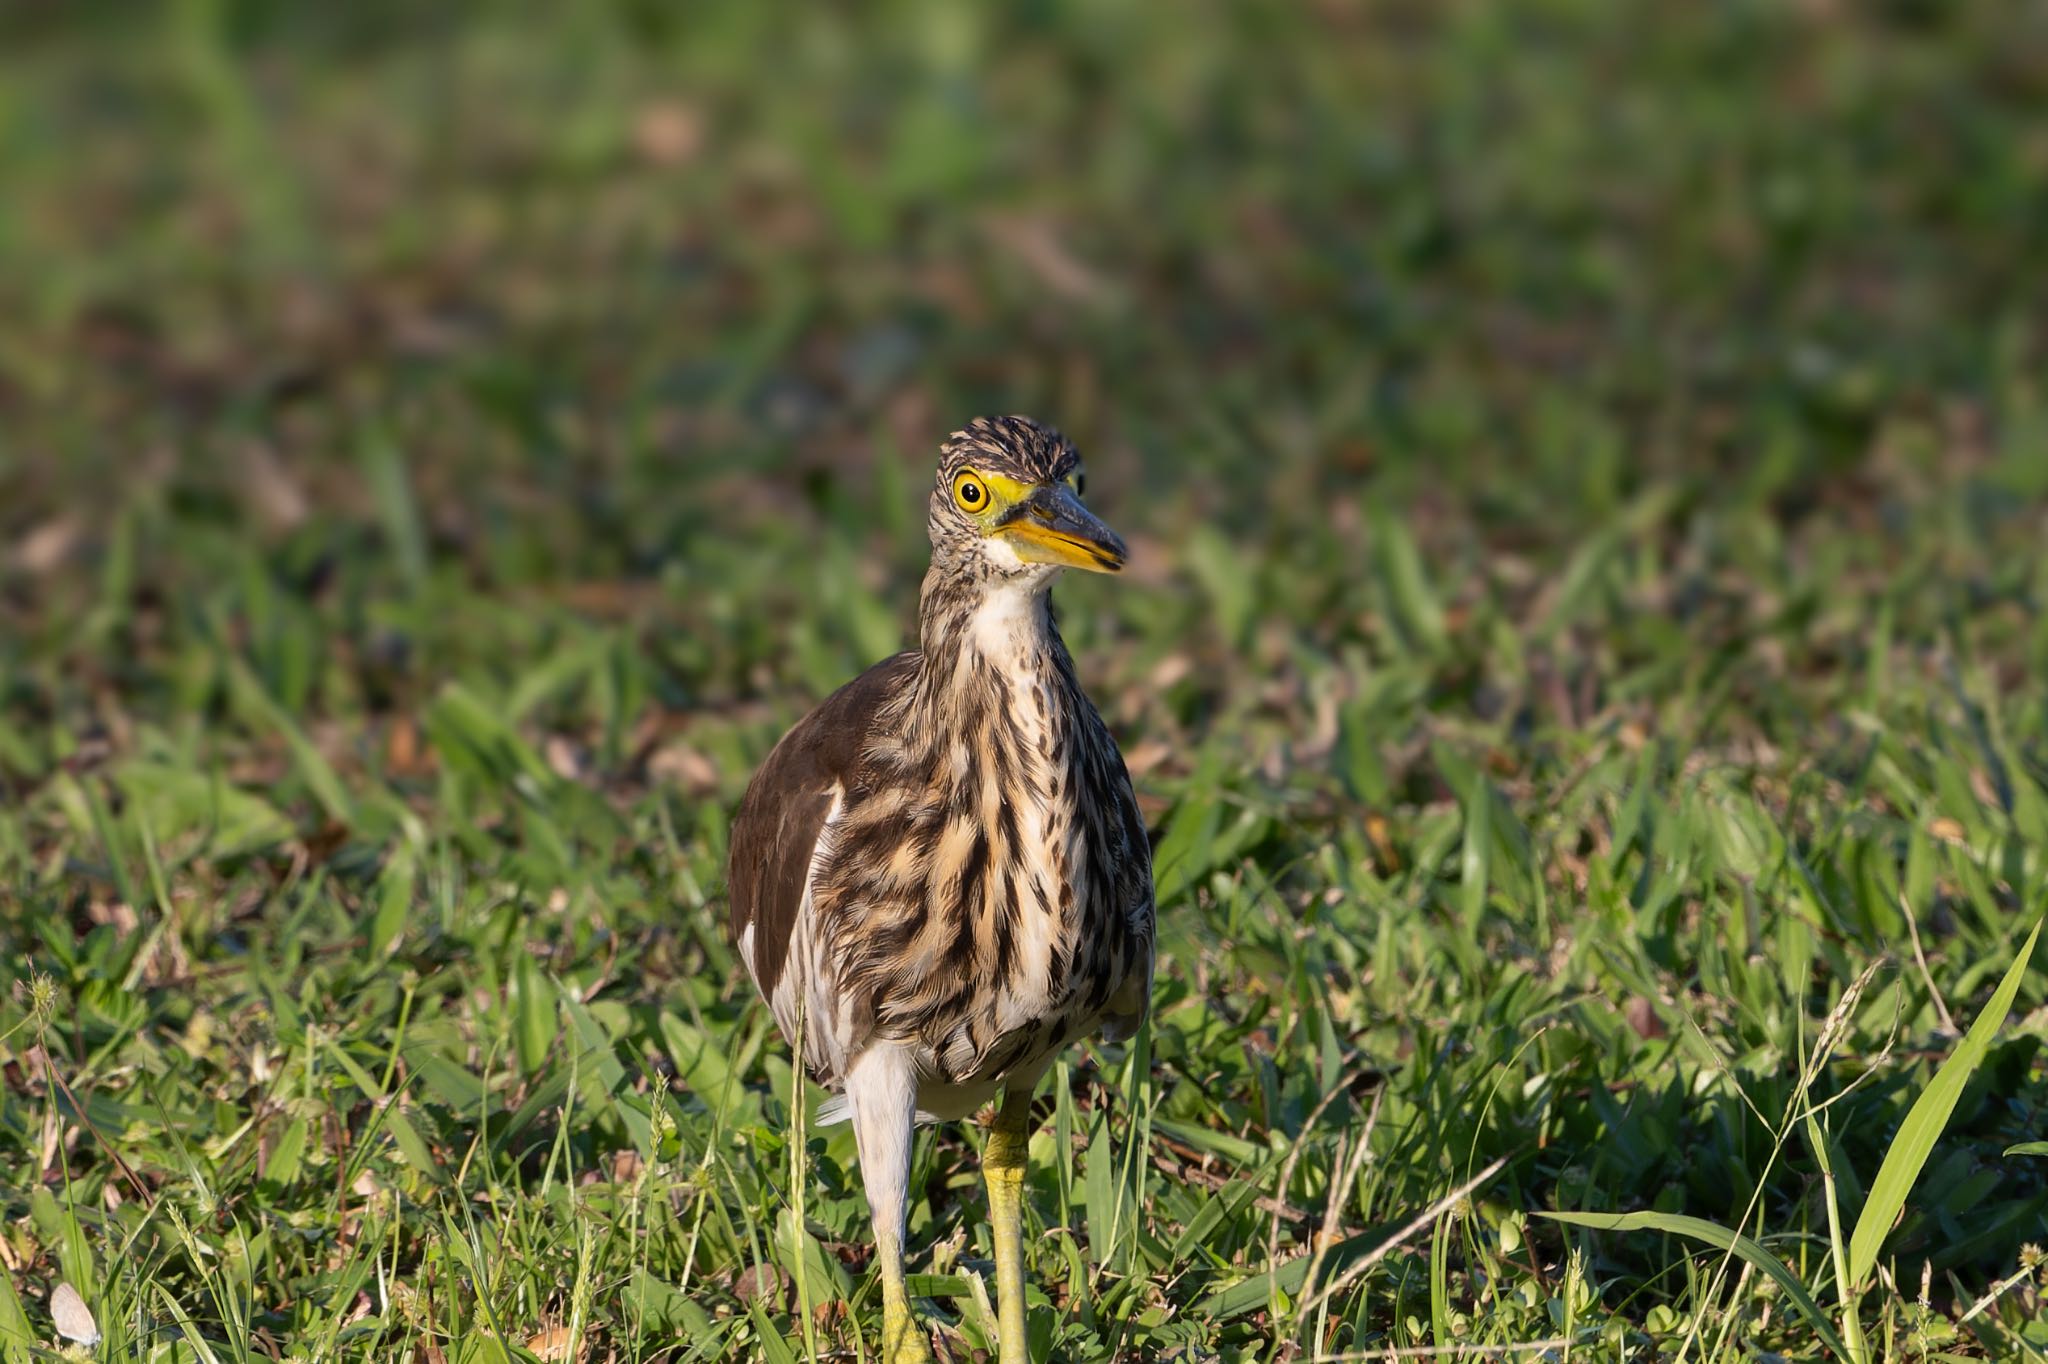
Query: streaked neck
pixel 1003 629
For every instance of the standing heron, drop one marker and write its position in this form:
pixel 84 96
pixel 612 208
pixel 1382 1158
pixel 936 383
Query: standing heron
pixel 939 878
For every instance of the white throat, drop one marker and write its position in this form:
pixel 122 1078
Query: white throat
pixel 1011 626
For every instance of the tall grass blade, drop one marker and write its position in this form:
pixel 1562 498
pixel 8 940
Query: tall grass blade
pixel 1838 1248
pixel 1734 1242
pixel 1925 1121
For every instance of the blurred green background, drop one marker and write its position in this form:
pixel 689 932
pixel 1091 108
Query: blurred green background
pixel 1586 466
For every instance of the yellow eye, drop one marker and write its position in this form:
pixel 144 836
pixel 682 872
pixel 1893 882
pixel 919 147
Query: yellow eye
pixel 970 492
pixel 1078 481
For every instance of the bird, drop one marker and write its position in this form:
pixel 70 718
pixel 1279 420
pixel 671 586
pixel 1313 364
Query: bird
pixel 939 878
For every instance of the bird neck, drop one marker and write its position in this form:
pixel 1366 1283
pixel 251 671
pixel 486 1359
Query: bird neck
pixel 975 632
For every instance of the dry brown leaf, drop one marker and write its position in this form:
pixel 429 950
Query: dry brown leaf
pixel 1386 857
pixel 1169 671
pixel 114 913
pixel 552 1343
pixel 1036 243
pixel 404 755
pixel 758 1282
pixel 269 487
pixel 1642 1016
pixel 47 546
pixel 678 764
pixel 1152 560
pixel 668 132
pixel 52 1135
pixel 564 758
pixel 1146 754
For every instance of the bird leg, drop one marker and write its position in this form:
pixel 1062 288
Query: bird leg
pixel 882 1089
pixel 903 1340
pixel 1002 1165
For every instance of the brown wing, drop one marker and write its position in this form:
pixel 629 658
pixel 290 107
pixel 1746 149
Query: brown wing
pixel 780 817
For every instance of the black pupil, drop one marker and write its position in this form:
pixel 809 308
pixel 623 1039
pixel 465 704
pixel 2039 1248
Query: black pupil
pixel 1080 484
pixel 970 493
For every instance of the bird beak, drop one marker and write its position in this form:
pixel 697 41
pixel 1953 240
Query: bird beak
pixel 1052 527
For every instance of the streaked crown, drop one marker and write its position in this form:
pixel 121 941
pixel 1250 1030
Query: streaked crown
pixel 1016 447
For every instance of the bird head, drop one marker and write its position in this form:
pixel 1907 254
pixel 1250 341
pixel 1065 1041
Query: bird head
pixel 1007 505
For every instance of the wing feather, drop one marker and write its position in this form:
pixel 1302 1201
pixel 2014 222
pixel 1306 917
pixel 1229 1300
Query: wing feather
pixel 775 833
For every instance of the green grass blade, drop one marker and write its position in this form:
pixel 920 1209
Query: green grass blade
pixel 17 1339
pixel 395 885
pixel 1440 1285
pixel 1474 857
pixel 384 466
pixel 534 1019
pixel 190 1331
pixel 774 1348
pixel 1414 603
pixel 1714 1234
pixel 313 768
pixel 1838 1249
pixel 1925 1121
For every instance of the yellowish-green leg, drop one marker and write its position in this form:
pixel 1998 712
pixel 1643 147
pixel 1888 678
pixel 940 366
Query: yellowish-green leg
pixel 1002 1165
pixel 903 1340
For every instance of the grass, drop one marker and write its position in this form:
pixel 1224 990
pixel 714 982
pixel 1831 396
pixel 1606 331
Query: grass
pixel 1586 473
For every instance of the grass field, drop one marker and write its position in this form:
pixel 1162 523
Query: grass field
pixel 1587 471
